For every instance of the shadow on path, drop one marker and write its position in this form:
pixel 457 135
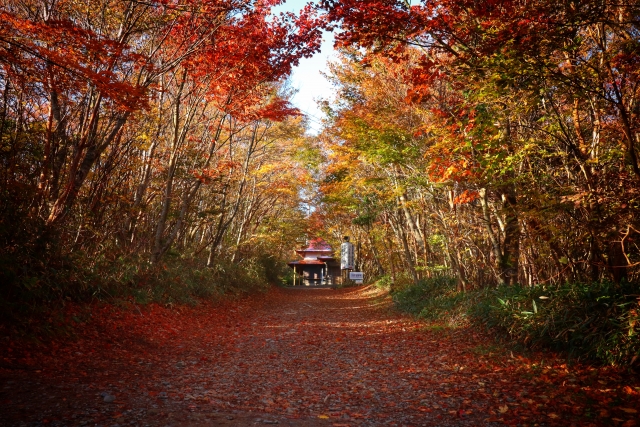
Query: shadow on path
pixel 291 357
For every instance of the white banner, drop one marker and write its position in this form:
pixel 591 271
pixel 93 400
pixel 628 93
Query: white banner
pixel 346 256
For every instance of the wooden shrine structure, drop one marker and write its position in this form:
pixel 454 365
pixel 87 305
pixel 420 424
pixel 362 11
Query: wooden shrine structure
pixel 318 266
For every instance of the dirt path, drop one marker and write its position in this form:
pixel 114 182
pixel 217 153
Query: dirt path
pixel 294 358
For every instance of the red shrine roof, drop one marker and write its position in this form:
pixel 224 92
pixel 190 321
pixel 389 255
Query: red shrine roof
pixel 317 244
pixel 306 262
pixel 318 253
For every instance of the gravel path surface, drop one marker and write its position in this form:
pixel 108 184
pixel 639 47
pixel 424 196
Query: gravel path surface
pixel 292 357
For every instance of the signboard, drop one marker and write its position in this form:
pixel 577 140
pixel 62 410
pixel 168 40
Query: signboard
pixel 356 275
pixel 346 256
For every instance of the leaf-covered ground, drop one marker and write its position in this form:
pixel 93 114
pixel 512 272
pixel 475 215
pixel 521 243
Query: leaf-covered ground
pixel 294 357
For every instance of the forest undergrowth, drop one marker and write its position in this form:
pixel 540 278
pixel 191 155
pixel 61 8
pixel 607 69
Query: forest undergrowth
pixel 31 300
pixel 596 322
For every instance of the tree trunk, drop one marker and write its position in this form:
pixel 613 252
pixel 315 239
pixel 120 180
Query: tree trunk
pixel 493 237
pixel 509 261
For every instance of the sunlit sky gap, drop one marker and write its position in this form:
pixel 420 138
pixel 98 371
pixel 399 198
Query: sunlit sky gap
pixel 307 77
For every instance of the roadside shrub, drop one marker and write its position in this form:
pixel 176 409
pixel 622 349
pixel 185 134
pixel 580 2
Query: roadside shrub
pixel 187 280
pixel 597 321
pixel 286 279
pixel 275 271
pixel 176 279
pixel 384 282
pixel 433 298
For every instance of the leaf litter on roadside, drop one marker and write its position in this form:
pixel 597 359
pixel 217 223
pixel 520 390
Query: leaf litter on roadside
pixel 315 356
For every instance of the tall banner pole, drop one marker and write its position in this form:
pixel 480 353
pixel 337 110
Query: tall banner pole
pixel 346 259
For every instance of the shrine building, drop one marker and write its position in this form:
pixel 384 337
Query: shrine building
pixel 317 267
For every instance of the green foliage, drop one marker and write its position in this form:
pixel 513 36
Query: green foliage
pixel 432 299
pixel 184 281
pixel 178 280
pixel 384 282
pixel 287 278
pixel 596 321
pixel 276 271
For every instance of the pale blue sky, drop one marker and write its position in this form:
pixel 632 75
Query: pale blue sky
pixel 306 76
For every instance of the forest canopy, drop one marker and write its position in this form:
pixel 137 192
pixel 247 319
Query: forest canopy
pixel 136 133
pixel 495 141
